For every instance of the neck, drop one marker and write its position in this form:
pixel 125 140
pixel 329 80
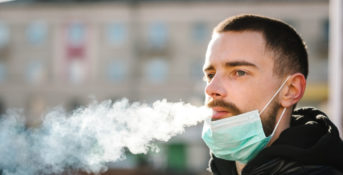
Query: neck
pixel 283 125
pixel 239 167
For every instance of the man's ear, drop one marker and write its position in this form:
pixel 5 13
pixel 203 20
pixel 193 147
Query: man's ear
pixel 293 91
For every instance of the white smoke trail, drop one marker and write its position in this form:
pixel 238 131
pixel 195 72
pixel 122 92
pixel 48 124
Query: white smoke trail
pixel 91 136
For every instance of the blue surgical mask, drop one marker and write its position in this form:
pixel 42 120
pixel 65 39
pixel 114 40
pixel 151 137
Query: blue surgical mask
pixel 238 138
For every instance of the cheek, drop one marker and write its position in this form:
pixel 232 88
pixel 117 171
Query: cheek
pixel 247 97
pixel 262 97
pixel 239 94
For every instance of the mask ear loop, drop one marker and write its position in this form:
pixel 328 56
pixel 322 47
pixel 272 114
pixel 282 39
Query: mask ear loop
pixel 277 124
pixel 265 106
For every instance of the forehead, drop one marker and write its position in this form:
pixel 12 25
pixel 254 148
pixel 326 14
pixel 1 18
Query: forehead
pixel 249 46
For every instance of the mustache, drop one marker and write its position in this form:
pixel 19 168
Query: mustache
pixel 227 105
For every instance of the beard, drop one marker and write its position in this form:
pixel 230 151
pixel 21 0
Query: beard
pixel 268 120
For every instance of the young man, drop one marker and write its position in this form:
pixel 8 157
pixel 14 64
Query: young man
pixel 256 70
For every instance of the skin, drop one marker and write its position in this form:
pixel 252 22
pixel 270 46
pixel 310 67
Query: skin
pixel 239 74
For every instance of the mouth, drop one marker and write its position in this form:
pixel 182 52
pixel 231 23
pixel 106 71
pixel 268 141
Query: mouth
pixel 220 113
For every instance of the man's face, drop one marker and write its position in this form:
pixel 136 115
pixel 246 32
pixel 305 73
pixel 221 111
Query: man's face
pixel 239 75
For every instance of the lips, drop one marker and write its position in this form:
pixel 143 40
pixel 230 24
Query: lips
pixel 220 113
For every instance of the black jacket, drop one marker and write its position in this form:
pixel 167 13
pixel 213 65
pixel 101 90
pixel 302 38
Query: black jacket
pixel 310 146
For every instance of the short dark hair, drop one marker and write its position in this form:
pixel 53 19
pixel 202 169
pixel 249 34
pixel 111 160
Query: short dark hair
pixel 286 44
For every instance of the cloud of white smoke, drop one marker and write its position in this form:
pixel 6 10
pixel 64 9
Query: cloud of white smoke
pixel 91 136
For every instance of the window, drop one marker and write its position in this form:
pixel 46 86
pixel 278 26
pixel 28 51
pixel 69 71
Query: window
pixel 76 71
pixel 116 34
pixel 158 35
pixel 199 32
pixel 76 34
pixel 36 32
pixel 177 157
pixel 156 70
pixel 196 69
pixel 4 34
pixel 35 72
pixel 116 71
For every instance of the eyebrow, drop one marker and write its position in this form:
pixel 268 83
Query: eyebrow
pixel 239 63
pixel 232 64
pixel 208 68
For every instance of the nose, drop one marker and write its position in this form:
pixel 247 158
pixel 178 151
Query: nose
pixel 215 88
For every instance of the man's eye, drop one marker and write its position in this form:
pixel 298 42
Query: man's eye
pixel 208 77
pixel 240 73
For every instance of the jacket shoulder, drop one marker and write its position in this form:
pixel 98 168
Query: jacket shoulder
pixel 286 167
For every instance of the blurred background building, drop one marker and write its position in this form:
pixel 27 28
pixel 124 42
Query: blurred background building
pixel 67 53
